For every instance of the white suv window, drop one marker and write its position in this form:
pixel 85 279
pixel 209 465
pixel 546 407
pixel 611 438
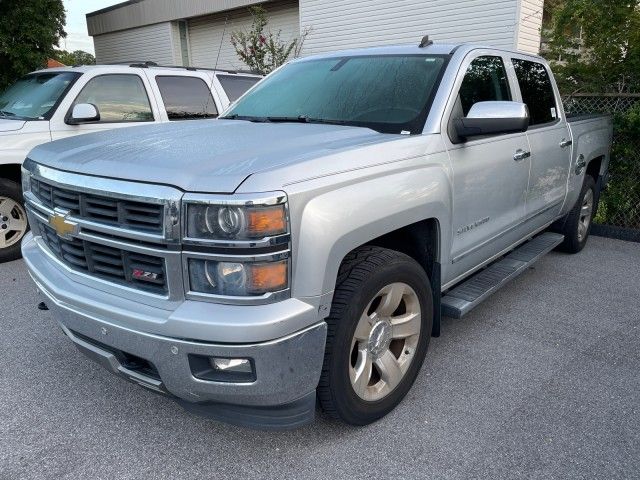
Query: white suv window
pixel 119 98
pixel 186 98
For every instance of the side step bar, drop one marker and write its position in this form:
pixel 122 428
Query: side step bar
pixel 464 297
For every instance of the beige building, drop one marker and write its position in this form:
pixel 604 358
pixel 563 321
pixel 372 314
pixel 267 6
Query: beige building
pixel 197 32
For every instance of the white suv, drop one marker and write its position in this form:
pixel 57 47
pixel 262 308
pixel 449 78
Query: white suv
pixel 51 104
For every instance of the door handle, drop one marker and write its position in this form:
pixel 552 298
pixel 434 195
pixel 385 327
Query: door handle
pixel 565 143
pixel 521 155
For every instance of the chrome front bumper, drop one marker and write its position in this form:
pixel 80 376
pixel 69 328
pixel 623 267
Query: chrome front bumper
pixel 287 368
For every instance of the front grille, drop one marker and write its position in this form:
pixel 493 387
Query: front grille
pixel 143 272
pixel 146 217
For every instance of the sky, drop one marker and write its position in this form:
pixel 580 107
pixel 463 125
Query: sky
pixel 77 36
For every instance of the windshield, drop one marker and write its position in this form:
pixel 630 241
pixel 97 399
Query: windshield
pixel 387 93
pixel 34 96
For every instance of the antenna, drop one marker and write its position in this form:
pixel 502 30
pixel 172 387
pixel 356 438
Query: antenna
pixel 215 67
pixel 425 42
pixel 224 30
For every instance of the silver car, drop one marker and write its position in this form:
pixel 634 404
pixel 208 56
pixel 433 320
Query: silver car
pixel 302 247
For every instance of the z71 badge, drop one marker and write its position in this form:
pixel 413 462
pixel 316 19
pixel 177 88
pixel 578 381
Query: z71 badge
pixel 146 276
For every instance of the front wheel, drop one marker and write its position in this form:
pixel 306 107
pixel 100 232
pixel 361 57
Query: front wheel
pixel 13 220
pixel 577 225
pixel 379 331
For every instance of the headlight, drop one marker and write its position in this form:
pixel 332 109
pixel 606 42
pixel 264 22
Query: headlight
pixel 230 222
pixel 237 279
pixel 236 247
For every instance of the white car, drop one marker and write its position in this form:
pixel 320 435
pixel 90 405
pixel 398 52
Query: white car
pixel 51 104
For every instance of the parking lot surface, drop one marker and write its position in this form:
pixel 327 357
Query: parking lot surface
pixel 541 381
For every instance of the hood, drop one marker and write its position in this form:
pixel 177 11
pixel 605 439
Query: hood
pixel 9 125
pixel 213 156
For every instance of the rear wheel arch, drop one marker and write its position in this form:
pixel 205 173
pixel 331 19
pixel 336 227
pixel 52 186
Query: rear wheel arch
pixel 594 167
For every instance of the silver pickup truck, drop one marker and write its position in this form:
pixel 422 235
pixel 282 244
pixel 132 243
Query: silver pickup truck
pixel 302 248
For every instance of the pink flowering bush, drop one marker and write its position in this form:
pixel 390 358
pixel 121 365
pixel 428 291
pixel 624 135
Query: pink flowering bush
pixel 263 51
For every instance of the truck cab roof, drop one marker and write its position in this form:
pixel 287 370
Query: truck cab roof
pixel 415 49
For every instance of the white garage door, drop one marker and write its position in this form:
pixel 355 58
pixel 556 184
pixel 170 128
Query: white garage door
pixel 149 43
pixel 206 33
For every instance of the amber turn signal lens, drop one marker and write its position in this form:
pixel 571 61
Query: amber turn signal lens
pixel 266 221
pixel 268 277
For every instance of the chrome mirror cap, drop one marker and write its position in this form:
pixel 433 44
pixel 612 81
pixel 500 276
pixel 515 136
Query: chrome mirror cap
pixel 499 109
pixel 492 118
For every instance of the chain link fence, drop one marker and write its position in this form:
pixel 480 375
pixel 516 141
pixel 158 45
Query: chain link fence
pixel 620 203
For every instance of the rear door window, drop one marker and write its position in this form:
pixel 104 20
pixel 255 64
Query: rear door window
pixel 236 85
pixel 536 90
pixel 186 98
pixel 485 80
pixel 119 98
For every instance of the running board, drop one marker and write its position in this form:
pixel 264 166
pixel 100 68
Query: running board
pixel 463 298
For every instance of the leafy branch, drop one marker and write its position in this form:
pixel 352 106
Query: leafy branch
pixel 262 50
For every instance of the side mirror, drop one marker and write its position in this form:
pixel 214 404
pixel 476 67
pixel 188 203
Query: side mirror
pixel 83 113
pixel 492 118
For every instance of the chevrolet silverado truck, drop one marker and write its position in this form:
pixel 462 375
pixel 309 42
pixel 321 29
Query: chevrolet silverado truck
pixel 301 249
pixel 60 102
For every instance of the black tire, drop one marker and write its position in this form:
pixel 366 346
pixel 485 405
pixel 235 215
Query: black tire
pixel 11 190
pixel 570 229
pixel 363 273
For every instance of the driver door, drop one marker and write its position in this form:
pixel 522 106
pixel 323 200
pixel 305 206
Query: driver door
pixel 490 173
pixel 122 100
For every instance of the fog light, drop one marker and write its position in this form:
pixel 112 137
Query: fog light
pixel 236 365
pixel 218 369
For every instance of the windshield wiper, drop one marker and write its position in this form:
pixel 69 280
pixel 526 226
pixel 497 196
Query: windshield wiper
pixel 13 116
pixel 305 119
pixel 247 118
pixel 298 119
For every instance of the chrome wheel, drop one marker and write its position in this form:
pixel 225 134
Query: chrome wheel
pixel 385 341
pixel 13 222
pixel 585 215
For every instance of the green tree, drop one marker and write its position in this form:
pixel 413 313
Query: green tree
pixel 260 49
pixel 77 57
pixel 29 30
pixel 594 45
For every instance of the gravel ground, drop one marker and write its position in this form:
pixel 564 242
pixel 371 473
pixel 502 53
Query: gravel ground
pixel 541 381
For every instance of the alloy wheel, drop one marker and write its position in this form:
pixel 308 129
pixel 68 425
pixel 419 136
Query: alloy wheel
pixel 585 215
pixel 385 341
pixel 13 222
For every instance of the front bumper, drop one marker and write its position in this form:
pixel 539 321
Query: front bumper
pixel 287 369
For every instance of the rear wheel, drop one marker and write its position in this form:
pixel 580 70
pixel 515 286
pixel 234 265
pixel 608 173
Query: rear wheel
pixel 577 225
pixel 13 220
pixel 379 331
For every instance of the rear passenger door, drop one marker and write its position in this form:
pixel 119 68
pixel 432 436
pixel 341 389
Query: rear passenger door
pixel 185 97
pixel 489 184
pixel 549 139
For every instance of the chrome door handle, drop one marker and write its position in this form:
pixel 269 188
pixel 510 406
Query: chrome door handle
pixel 521 155
pixel 565 143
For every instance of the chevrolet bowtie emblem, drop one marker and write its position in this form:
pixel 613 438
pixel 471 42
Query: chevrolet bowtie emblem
pixel 62 226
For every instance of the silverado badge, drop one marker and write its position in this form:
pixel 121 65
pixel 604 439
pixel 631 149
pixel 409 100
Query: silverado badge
pixel 63 227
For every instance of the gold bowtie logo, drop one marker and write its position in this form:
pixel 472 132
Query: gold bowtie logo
pixel 62 226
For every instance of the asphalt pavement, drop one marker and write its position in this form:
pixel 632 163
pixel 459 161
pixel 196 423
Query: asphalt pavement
pixel 541 381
